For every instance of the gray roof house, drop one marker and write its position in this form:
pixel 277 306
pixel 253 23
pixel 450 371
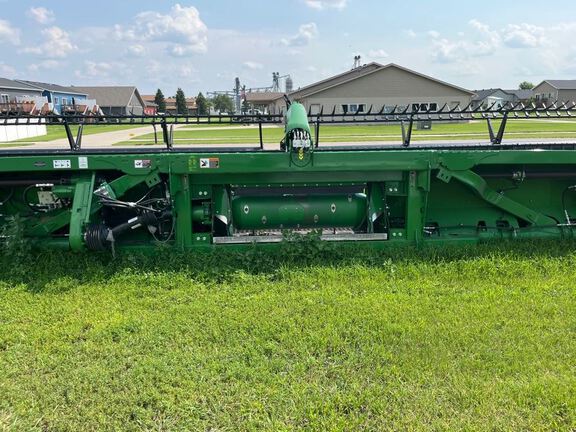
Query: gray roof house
pixel 20 97
pixel 60 97
pixel 11 89
pixel 522 95
pixel 493 98
pixel 377 85
pixel 497 98
pixel 116 100
pixel 549 91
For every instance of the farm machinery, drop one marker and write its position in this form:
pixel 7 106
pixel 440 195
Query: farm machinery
pixel 218 196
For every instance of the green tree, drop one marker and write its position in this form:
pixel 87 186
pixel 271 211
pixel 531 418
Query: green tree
pixel 526 85
pixel 223 103
pixel 160 101
pixel 202 104
pixel 181 107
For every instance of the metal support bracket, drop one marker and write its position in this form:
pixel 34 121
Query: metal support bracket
pixel 497 139
pixel 260 133
pixel 81 211
pixel 407 134
pixel 497 199
pixel 317 132
pixel 155 133
pixel 167 134
pixel 74 144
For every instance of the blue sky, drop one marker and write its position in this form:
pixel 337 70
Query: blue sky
pixel 202 45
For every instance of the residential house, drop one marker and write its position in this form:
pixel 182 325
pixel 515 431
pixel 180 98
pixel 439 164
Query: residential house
pixel 10 90
pixel 190 105
pixel 151 107
pixel 549 91
pixel 496 98
pixel 16 97
pixel 62 98
pixel 522 95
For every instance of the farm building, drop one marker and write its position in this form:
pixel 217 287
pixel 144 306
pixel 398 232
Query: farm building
pixel 116 100
pixel 377 85
pixel 261 100
pixel 549 91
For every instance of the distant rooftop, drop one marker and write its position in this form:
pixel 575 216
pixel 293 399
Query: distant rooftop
pixel 521 94
pixel 562 84
pixel 16 85
pixel 53 87
pixel 111 96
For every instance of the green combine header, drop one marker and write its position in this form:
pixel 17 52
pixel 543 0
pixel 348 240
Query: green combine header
pixel 216 197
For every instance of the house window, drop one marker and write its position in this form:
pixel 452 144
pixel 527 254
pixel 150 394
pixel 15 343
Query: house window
pixel 353 108
pixel 4 98
pixel 64 101
pixel 433 107
pixel 56 100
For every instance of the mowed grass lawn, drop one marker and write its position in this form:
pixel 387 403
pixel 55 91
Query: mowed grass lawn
pixel 476 130
pixel 55 132
pixel 483 339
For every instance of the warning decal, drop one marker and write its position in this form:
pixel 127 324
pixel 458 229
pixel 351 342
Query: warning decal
pixel 83 162
pixel 61 164
pixel 209 163
pixel 142 163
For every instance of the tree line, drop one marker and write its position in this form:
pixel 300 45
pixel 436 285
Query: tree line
pixel 220 103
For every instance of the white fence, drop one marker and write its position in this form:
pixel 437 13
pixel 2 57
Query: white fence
pixel 12 133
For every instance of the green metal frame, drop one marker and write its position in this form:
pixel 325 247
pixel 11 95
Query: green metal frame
pixel 412 196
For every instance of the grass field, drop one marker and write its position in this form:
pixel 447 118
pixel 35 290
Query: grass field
pixel 476 339
pixel 238 134
pixel 362 133
pixel 55 132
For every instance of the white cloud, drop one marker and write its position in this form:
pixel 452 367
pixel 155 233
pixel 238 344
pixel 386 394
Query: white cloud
pixel 449 51
pixel 306 32
pixel 46 64
pixel 7 70
pixel 41 15
pixel 104 73
pixel 377 54
pixel 252 65
pixel 177 50
pixel 181 28
pixel 8 33
pixel 97 69
pixel 326 4
pixel 57 44
pixel 136 50
pixel 524 36
pixel 486 41
pixel 187 72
